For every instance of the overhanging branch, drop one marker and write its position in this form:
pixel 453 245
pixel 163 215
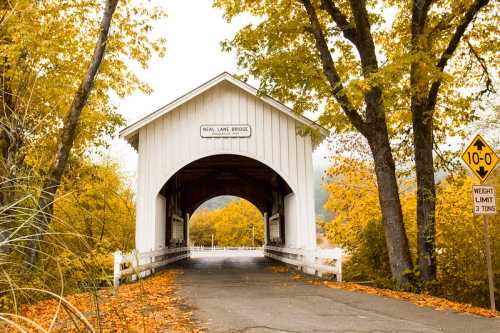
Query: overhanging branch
pixel 452 46
pixel 348 29
pixel 489 82
pixel 330 70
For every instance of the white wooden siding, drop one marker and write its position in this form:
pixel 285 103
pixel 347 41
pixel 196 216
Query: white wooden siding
pixel 173 140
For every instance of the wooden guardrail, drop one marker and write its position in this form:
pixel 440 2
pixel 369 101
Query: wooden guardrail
pixel 135 263
pixel 320 260
pixel 224 248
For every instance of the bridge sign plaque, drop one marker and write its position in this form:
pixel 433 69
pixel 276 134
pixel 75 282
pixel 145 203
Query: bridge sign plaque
pixel 225 131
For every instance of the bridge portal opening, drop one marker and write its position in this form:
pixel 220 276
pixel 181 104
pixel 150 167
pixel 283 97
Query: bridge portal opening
pixel 223 175
pixel 226 222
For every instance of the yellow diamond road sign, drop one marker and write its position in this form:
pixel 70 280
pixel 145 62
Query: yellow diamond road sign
pixel 480 158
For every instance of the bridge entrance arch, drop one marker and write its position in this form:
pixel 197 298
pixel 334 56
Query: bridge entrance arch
pixel 223 138
pixel 227 174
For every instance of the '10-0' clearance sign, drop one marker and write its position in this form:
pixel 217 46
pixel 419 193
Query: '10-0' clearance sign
pixel 480 158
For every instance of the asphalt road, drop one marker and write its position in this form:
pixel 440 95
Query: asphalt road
pixel 241 294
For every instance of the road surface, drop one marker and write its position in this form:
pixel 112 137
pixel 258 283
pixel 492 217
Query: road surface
pixel 241 294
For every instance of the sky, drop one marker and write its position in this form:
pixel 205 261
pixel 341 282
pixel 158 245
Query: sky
pixel 193 32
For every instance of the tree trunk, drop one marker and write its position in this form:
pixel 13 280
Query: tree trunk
pixel 374 128
pixel 426 192
pixel 388 190
pixel 8 153
pixel 56 171
pixel 423 146
pixel 423 103
pixel 392 215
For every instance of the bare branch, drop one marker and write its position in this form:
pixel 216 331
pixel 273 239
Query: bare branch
pixel 452 46
pixel 484 67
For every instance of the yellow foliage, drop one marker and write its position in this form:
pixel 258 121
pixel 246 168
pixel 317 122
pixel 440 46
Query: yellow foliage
pixel 357 226
pixel 460 242
pixel 96 203
pixel 233 225
pixel 94 215
pixel 353 200
pixel 46 47
pixel 278 48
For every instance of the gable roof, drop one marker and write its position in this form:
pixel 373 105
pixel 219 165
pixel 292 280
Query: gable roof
pixel 131 132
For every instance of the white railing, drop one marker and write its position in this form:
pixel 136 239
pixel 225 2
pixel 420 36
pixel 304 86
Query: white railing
pixel 223 248
pixel 320 261
pixel 135 263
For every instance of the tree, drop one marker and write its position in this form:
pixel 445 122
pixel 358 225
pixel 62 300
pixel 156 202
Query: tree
pixel 43 59
pixel 427 23
pixel 97 205
pixel 68 134
pixel 358 61
pixel 202 228
pixel 356 226
pixel 93 216
pixel 290 52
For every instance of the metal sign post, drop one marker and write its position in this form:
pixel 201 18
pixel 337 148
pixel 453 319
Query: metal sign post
pixel 484 202
pixel 488 263
pixel 482 159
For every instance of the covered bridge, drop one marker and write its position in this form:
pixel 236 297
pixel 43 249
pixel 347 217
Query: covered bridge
pixel 223 138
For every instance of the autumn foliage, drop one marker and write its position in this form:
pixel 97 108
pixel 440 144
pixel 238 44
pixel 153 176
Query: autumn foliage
pixel 239 223
pixel 148 305
pixel 357 227
pixel 46 48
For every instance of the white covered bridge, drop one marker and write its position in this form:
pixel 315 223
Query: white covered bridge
pixel 222 138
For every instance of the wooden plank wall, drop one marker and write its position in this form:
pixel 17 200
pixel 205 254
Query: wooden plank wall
pixel 173 140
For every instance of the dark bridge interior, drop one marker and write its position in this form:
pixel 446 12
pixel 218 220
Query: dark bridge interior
pixel 217 175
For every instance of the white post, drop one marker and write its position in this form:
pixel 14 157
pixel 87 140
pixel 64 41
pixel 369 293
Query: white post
pixel 134 254
pixel 339 266
pixel 308 261
pixel 188 253
pixel 187 231
pixel 488 263
pixel 253 235
pixel 265 229
pixel 117 268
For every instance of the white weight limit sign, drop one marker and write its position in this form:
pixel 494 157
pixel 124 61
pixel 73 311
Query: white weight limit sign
pixel 484 200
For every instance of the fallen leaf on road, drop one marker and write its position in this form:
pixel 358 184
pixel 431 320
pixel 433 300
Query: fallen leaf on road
pixel 423 300
pixel 278 269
